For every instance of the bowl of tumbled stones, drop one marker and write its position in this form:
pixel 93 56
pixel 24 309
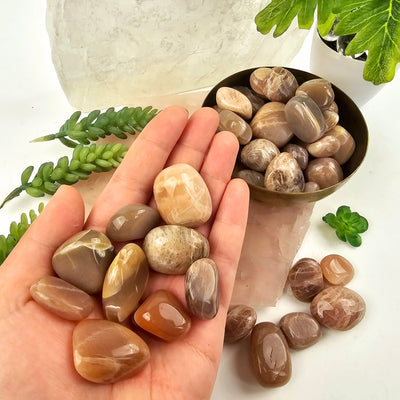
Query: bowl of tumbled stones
pixel 301 137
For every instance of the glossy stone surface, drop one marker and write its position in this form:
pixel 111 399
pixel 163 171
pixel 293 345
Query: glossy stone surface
pixel 163 315
pixel 324 171
pixel 106 352
pixel 83 260
pixel 338 307
pixel 300 329
pixel 305 118
pixel 240 321
pixel 336 269
pixel 256 101
pixel 299 153
pixel 258 78
pixel 280 85
pixel 311 187
pixel 258 154
pixel 270 355
pixel 306 279
pixel 331 119
pixel 182 196
pixel 347 144
pixel 172 249
pixel 320 90
pixel 132 222
pixel 252 177
pixel 229 121
pixel 230 99
pixel 202 288
pixel 327 146
pixel 284 175
pixel 62 298
pixel 125 282
pixel 270 123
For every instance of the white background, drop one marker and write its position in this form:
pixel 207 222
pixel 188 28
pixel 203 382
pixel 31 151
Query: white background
pixel 358 364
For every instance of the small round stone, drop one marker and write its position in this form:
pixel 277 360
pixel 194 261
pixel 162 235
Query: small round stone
pixel 258 78
pixel 240 320
pixel 327 146
pixel 230 99
pixel 251 177
pixel 338 307
pixel 280 85
pixel 258 154
pixel 299 153
pixel 306 279
pixel 320 90
pixel 324 171
pixel 202 288
pixel 337 270
pixel 229 121
pixel 106 352
pixel 347 144
pixel 182 196
pixel 300 329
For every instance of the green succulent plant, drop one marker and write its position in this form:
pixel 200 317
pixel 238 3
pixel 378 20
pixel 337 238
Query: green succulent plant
pixel 375 23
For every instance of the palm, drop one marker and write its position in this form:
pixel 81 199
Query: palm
pixel 36 346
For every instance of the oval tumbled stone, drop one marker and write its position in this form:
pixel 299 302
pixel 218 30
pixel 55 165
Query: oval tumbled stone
pixel 240 321
pixel 172 249
pixel 83 260
pixel 270 355
pixel 338 307
pixel 163 315
pixel 62 298
pixel 300 329
pixel 182 196
pixel 125 282
pixel 201 288
pixel 106 352
pixel 132 222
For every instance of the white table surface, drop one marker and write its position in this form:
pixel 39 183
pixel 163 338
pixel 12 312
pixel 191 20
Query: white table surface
pixel 358 364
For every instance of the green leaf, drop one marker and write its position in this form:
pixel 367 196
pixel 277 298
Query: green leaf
pixel 343 212
pixel 377 27
pixel 331 220
pixel 354 240
pixel 282 13
pixel 26 174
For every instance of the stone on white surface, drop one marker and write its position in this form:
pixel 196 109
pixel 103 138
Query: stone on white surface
pixel 112 53
pixel 274 234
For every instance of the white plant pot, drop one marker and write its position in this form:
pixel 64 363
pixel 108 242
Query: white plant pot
pixel 345 72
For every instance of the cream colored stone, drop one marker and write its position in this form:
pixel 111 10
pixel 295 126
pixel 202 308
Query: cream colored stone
pixel 231 99
pixel 182 196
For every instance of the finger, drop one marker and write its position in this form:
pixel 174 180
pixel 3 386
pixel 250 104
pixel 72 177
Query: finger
pixel 217 170
pixel 31 258
pixel 195 140
pixel 132 182
pixel 227 234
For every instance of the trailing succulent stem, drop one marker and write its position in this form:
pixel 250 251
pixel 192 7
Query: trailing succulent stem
pixel 128 120
pixel 84 161
pixel 17 229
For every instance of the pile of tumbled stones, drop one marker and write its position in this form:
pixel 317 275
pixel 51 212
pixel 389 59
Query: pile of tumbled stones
pixel 290 133
pixel 332 305
pixel 106 350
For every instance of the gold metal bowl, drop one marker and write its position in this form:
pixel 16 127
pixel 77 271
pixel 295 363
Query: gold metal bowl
pixel 350 118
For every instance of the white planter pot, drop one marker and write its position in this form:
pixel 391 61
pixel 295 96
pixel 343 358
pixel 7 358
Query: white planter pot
pixel 345 72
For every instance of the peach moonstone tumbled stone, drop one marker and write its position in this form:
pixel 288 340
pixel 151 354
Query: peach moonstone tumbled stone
pixel 182 196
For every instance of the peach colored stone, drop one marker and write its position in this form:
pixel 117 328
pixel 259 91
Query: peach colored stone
pixel 337 270
pixel 182 196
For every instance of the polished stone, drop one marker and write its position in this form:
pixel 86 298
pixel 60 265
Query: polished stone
pixel 347 144
pixel 258 154
pixel 229 121
pixel 270 355
pixel 337 270
pixel 280 85
pixel 106 352
pixel 324 171
pixel 83 260
pixel 62 298
pixel 258 78
pixel 132 222
pixel 299 153
pixel 182 196
pixel 231 99
pixel 338 307
pixel 284 175
pixel 171 249
pixel 251 177
pixel 256 101
pixel 125 282
pixel 320 90
pixel 306 279
pixel 163 315
pixel 240 321
pixel 300 329
pixel 202 288
pixel 327 146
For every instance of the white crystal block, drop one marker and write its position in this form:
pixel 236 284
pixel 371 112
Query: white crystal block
pixel 274 234
pixel 113 52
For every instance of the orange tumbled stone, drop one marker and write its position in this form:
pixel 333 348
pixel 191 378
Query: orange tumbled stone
pixel 337 270
pixel 106 352
pixel 163 315
pixel 182 196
